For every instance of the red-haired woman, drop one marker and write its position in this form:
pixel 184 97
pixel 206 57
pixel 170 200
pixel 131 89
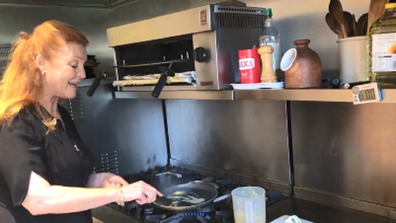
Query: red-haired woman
pixel 45 168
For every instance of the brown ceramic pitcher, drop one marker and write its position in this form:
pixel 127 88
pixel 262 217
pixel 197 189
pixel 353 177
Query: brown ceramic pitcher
pixel 302 66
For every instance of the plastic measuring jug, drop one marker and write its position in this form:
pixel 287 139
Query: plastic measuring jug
pixel 249 204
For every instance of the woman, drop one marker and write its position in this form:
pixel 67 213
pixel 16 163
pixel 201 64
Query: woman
pixel 45 168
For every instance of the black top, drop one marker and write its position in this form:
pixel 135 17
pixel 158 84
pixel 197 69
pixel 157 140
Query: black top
pixel 60 157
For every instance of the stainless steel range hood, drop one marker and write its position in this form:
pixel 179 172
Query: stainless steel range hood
pixel 197 47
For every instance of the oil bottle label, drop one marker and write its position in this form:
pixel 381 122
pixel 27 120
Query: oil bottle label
pixel 384 52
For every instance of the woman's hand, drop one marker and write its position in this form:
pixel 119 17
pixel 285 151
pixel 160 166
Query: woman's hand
pixel 141 192
pixel 106 180
pixel 113 181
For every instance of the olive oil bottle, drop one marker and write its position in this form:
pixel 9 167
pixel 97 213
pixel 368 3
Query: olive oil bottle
pixel 382 48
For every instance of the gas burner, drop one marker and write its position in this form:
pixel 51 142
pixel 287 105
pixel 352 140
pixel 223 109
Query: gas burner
pixel 148 211
pixel 188 217
pixel 191 219
pixel 218 211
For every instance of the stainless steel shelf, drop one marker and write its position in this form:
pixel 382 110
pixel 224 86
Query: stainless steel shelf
pixel 320 95
pixel 194 95
pixel 325 95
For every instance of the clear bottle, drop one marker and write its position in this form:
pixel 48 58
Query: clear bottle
pixel 382 48
pixel 271 36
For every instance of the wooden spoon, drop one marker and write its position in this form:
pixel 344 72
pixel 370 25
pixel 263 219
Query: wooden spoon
pixel 354 26
pixel 376 9
pixel 362 24
pixel 333 24
pixel 336 9
pixel 348 22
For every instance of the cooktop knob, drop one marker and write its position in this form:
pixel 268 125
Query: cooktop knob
pixel 201 54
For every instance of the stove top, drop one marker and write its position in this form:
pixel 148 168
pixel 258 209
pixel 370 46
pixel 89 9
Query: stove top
pixel 218 211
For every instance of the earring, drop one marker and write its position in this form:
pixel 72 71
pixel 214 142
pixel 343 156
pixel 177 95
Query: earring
pixel 42 71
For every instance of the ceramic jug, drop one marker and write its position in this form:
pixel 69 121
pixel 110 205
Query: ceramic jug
pixel 302 66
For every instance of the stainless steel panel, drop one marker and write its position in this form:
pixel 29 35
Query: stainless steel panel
pixel 207 71
pixel 284 187
pixel 107 162
pixel 88 82
pixel 243 137
pixel 133 128
pixel 197 95
pixel 345 150
pixel 75 107
pixel 185 22
pixel 4 55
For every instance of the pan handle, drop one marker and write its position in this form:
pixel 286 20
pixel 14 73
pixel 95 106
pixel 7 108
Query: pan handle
pixel 178 175
pixel 96 83
pixel 162 81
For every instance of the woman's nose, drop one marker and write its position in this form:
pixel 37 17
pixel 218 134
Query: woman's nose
pixel 81 74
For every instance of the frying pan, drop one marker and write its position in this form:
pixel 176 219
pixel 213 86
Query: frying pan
pixel 184 197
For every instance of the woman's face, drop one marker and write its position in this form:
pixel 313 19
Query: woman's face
pixel 64 71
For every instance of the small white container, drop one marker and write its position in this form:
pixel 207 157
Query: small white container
pixel 353 53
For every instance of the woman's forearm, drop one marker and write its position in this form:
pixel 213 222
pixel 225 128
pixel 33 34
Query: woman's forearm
pixel 42 198
pixel 59 199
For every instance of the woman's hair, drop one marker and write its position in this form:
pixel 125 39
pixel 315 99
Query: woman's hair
pixel 22 81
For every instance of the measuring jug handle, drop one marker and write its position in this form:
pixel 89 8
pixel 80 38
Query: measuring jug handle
pixel 293 219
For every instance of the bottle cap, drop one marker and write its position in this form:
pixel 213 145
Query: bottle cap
pixel 268 12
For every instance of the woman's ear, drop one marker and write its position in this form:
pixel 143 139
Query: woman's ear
pixel 40 62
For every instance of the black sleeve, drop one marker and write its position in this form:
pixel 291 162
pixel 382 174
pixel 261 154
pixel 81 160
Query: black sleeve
pixel 21 152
